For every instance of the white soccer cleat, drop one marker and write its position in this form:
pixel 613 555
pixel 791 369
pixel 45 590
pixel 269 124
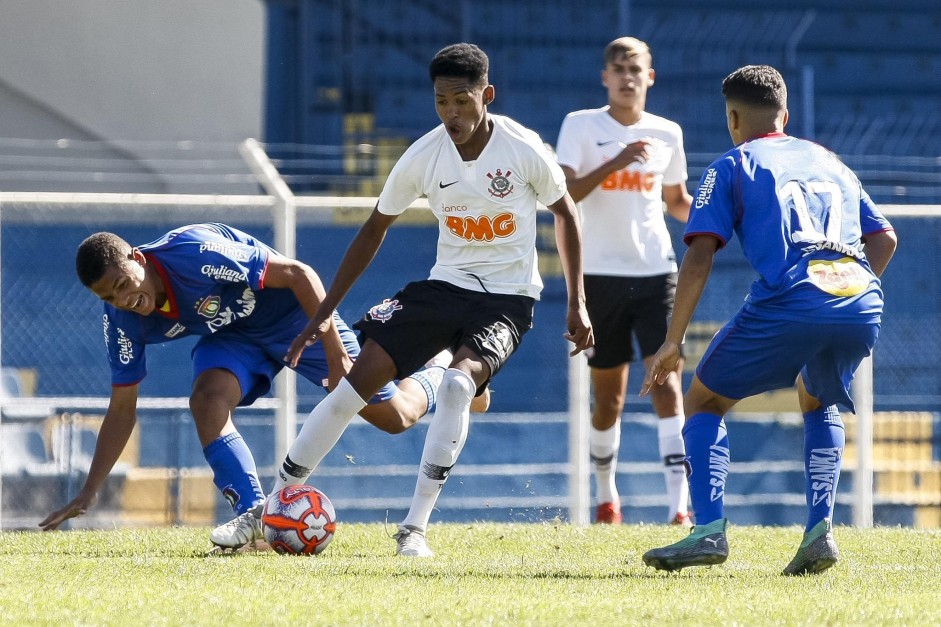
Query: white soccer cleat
pixel 411 542
pixel 239 531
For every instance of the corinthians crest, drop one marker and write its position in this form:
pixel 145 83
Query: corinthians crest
pixel 500 185
pixel 384 310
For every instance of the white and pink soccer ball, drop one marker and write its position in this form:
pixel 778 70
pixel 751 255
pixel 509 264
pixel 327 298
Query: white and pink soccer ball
pixel 298 520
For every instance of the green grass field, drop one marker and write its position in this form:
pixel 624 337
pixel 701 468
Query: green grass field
pixel 482 574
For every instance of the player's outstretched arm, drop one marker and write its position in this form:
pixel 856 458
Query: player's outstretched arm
pixel 306 285
pixel 115 431
pixel 358 256
pixel 568 237
pixel 694 272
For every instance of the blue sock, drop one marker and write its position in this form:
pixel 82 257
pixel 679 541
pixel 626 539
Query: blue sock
pixel 707 459
pixel 824 441
pixel 430 379
pixel 234 472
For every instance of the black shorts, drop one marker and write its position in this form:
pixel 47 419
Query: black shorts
pixel 621 308
pixel 429 316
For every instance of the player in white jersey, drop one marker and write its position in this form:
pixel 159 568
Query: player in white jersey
pixel 623 164
pixel 483 175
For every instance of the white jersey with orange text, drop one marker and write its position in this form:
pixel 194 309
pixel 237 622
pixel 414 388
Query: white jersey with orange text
pixel 623 227
pixel 486 208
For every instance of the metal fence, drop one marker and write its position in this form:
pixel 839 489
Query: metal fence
pixel 55 371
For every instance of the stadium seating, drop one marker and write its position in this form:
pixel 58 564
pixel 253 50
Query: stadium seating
pixel 876 69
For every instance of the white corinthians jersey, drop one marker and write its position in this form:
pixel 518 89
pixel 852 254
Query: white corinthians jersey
pixel 623 228
pixel 486 208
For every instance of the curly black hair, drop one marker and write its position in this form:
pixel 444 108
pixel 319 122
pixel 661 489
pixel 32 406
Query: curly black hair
pixel 98 253
pixel 463 61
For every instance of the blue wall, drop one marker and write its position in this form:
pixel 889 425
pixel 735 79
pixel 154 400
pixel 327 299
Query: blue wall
pixel 52 324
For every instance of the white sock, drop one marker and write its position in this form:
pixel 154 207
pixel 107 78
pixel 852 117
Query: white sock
pixel 319 434
pixel 603 446
pixel 446 435
pixel 673 454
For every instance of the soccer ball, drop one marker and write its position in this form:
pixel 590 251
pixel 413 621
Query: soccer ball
pixel 298 520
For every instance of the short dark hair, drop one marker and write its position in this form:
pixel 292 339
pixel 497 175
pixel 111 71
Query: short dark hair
pixel 759 85
pixel 98 253
pixel 462 61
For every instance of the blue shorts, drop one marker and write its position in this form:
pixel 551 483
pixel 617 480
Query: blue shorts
pixel 256 360
pixel 754 354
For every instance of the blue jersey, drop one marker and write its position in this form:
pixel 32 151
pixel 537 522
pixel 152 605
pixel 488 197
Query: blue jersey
pixel 214 277
pixel 800 215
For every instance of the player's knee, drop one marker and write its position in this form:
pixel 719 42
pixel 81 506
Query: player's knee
pixel 456 387
pixel 204 401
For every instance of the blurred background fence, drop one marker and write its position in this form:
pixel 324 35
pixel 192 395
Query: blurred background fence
pixel 345 89
pixel 516 463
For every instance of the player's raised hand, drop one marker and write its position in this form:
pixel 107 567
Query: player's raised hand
pixel 635 152
pixel 579 330
pixel 663 363
pixel 316 327
pixel 77 507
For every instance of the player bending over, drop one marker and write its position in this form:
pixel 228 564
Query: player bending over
pixel 247 303
pixel 812 315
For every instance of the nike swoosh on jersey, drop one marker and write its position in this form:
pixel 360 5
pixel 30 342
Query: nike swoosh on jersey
pixel 442 184
pixel 610 141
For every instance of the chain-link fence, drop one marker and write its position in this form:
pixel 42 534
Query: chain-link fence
pixel 52 353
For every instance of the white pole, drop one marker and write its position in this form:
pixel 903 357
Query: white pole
pixel 285 242
pixel 1 370
pixel 862 478
pixel 579 417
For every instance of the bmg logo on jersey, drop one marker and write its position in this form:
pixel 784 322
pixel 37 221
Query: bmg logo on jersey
pixel 629 180
pixel 481 228
pixel 384 310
